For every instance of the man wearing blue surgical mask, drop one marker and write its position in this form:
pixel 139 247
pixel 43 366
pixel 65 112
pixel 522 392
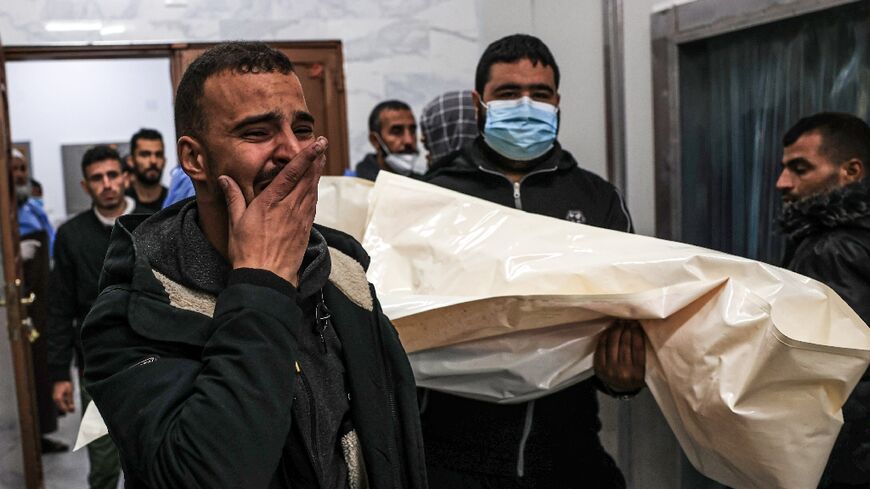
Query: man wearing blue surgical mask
pixel 517 161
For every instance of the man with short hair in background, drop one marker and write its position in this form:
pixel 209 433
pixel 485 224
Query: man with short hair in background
pixel 146 161
pixel 80 247
pixel 552 441
pixel 393 135
pixel 826 217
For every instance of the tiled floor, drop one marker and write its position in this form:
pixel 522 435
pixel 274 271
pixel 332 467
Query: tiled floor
pixel 67 470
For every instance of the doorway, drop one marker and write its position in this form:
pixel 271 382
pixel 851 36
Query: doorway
pixel 66 98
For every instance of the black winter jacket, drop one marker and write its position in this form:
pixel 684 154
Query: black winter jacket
pixel 556 187
pixel 829 240
pixel 368 167
pixel 197 391
pixel 79 250
pixel 556 435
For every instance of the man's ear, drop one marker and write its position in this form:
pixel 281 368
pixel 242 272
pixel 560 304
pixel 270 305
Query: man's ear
pixel 476 101
pixel 373 139
pixel 192 159
pixel 852 171
pixel 85 188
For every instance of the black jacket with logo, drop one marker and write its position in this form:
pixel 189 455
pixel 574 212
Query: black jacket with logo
pixel 555 187
pixel 557 434
pixel 201 390
pixel 829 240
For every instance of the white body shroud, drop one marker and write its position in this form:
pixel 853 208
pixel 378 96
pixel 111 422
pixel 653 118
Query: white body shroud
pixel 749 363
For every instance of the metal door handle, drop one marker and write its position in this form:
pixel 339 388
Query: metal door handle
pixel 24 300
pixel 29 299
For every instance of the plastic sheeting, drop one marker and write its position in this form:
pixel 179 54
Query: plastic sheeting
pixel 749 363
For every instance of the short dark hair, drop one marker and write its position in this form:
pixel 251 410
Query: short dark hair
pixel 844 136
pixel 375 116
pixel 237 57
pixel 99 153
pixel 144 133
pixel 511 49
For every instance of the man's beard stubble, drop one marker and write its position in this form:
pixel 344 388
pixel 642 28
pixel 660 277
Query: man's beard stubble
pixel 23 192
pixel 143 177
pixel 831 184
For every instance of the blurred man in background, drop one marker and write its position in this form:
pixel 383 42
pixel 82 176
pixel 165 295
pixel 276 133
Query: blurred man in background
pixel 393 135
pixel 147 159
pixel 78 260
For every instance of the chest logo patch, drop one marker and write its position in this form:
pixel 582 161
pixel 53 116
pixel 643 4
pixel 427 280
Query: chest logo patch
pixel 576 215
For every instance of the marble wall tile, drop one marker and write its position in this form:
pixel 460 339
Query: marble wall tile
pixel 411 49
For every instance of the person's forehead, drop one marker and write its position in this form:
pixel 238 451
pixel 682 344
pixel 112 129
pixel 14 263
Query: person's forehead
pixel 522 72
pixel 103 166
pixel 805 146
pixel 19 163
pixel 149 143
pixel 232 95
pixel 396 117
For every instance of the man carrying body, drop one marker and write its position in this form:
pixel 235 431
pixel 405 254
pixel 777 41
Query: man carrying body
pixel 551 442
pixel 826 216
pixel 235 344
pixel 78 258
pixel 393 135
pixel 146 160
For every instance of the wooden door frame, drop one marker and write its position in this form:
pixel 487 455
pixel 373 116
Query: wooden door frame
pixel 19 342
pixel 339 152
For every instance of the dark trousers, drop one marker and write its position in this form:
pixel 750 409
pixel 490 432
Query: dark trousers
pixel 444 478
pixel 105 468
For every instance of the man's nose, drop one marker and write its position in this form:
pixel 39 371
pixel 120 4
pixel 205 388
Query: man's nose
pixel 784 182
pixel 409 139
pixel 287 146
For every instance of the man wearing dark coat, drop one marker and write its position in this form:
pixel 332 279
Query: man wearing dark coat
pixel 517 161
pixel 79 249
pixel 234 343
pixel 826 216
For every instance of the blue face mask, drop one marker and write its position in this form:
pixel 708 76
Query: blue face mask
pixel 520 129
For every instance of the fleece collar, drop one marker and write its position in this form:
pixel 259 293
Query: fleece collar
pixel 846 206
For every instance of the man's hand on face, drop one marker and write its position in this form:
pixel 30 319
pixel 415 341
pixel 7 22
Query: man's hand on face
pixel 620 358
pixel 63 396
pixel 271 233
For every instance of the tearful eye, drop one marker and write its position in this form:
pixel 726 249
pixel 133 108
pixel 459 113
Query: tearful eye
pixel 304 132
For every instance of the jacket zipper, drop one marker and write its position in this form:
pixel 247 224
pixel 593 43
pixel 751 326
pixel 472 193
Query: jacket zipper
pixel 530 407
pixel 527 428
pixel 314 453
pixel 397 476
pixel 518 201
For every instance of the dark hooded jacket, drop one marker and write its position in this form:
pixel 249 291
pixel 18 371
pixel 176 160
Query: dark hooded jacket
pixel 556 435
pixel 829 240
pixel 209 377
pixel 368 167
